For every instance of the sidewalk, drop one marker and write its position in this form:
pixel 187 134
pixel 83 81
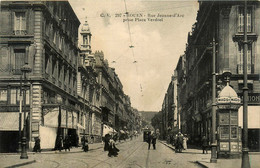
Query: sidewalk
pixel 204 160
pixel 11 160
pixel 93 146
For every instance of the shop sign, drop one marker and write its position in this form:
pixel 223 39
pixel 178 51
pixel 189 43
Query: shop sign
pixel 227 100
pixel 252 97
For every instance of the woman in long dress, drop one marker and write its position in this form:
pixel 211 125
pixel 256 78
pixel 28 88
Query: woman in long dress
pixel 113 151
pixel 185 139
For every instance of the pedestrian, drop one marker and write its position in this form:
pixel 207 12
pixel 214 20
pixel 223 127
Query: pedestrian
pixel 204 144
pixel 106 142
pixel 149 139
pixel 185 139
pixel 77 141
pixel 83 141
pixel 92 139
pixel 60 143
pixel 67 143
pixel 179 143
pixel 84 144
pixel 113 150
pixel 154 137
pixel 37 145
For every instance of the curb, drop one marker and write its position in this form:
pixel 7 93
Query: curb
pixel 197 162
pixel 167 145
pixel 201 164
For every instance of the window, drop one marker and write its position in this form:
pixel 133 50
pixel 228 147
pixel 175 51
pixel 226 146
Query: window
pixel 20 23
pixel 4 60
pixel 3 96
pixel 15 96
pixel 241 19
pixel 240 58
pixel 19 60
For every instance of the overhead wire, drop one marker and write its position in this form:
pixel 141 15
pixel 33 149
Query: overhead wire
pixel 131 45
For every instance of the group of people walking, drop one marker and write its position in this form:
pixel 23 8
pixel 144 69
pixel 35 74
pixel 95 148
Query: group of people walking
pixel 64 143
pixel 180 142
pixel 110 145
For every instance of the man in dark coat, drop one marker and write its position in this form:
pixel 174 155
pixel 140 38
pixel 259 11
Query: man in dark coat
pixel 37 146
pixel 149 139
pixel 154 137
pixel 106 142
pixel 67 143
pixel 179 143
pixel 60 143
pixel 204 144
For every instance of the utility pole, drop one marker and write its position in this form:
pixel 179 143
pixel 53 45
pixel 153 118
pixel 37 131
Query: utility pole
pixel 245 157
pixel 213 158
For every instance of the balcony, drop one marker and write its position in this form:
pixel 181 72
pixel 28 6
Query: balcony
pixel 19 32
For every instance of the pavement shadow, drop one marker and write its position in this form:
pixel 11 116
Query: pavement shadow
pixel 21 164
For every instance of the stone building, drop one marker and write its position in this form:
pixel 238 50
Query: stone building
pixel 169 110
pixel 88 88
pixel 69 91
pixel 224 21
pixel 44 35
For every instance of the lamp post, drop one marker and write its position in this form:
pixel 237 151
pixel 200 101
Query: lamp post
pixel 245 157
pixel 20 116
pixel 213 158
pixel 25 69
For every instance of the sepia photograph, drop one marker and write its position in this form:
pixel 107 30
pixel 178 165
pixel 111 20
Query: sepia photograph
pixel 129 84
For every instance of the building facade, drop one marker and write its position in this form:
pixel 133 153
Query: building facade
pixel 43 35
pixel 69 91
pixel 224 22
pixel 170 117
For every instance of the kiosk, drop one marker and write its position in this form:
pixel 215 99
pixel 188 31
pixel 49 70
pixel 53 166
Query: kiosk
pixel 229 133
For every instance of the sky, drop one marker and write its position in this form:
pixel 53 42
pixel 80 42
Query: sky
pixel 158 32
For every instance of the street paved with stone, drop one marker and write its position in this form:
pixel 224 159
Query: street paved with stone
pixel 133 154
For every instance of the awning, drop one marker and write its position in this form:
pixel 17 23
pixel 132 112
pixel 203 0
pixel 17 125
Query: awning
pixel 9 121
pixel 108 130
pixel 122 132
pixel 253 117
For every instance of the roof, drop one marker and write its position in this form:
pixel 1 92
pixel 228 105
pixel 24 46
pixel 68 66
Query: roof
pixel 228 91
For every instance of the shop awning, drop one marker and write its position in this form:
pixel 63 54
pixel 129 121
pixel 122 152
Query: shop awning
pixel 108 130
pixel 9 121
pixel 253 117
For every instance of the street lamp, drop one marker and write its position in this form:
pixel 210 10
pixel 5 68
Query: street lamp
pixel 245 157
pixel 213 158
pixel 25 69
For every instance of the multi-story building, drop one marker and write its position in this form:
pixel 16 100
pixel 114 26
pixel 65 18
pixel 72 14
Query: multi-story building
pixel 69 91
pixel 88 88
pixel 107 96
pixel 44 35
pixel 223 21
pixel 169 109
